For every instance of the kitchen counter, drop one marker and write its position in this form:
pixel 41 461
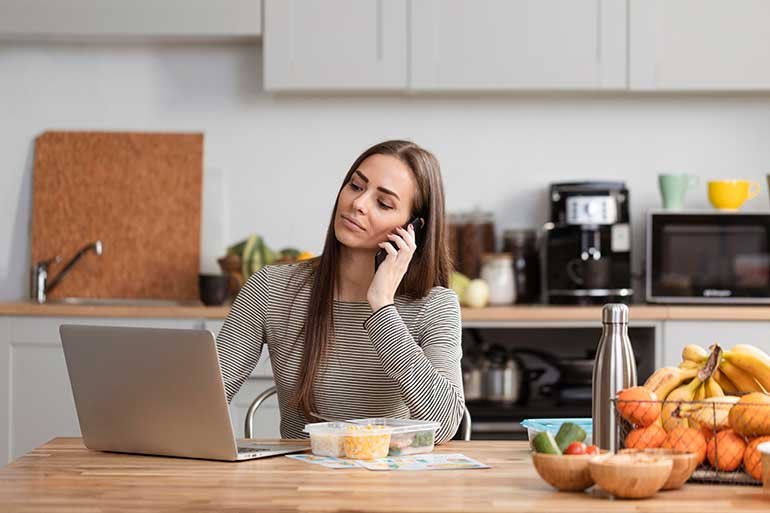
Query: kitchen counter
pixel 62 475
pixel 523 313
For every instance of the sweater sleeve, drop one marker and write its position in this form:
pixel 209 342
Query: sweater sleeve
pixel 427 372
pixel 240 340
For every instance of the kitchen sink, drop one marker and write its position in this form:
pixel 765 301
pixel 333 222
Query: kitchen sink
pixel 95 301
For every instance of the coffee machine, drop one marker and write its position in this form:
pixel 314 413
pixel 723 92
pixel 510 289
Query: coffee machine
pixel 587 246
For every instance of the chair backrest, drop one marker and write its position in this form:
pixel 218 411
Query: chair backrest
pixel 248 429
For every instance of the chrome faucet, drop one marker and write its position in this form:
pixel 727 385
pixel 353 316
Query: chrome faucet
pixel 40 284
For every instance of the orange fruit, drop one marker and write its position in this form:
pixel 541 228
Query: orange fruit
pixel 650 437
pixel 638 405
pixel 725 450
pixel 688 440
pixel 752 459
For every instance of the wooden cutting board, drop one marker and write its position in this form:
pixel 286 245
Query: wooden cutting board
pixel 139 193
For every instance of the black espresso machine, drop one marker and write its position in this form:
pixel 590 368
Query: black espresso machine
pixel 587 246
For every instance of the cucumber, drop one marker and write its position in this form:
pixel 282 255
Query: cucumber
pixel 545 443
pixel 568 433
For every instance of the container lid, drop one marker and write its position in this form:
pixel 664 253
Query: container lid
pixel 614 313
pixel 327 428
pixel 555 424
pixel 348 428
pixel 399 425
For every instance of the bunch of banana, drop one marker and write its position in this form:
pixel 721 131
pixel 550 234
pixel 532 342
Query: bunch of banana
pixel 693 380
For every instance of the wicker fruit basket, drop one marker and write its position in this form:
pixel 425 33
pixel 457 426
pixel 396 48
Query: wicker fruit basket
pixel 724 434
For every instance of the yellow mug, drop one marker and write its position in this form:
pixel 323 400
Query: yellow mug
pixel 731 194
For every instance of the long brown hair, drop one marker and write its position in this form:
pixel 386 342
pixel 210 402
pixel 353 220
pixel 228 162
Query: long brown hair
pixel 430 265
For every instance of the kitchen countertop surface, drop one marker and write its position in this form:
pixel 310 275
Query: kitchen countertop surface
pixel 62 475
pixel 523 313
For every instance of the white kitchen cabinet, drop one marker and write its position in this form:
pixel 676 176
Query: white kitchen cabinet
pixel 120 18
pixel 691 45
pixel 677 334
pixel 517 44
pixel 35 393
pixel 335 45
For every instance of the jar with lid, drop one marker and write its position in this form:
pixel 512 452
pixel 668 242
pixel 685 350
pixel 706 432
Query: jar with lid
pixel 497 271
pixel 476 237
pixel 522 245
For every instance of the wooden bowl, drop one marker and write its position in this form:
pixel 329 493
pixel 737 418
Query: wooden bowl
pixel 630 476
pixel 568 473
pixel 684 465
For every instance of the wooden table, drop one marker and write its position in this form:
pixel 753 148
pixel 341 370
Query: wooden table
pixel 63 475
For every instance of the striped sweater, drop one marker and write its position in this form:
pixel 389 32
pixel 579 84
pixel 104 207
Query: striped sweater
pixel 402 361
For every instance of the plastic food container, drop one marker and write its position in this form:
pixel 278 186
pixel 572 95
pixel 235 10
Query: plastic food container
pixel 407 436
pixel 366 441
pixel 535 426
pixel 360 441
pixel 327 438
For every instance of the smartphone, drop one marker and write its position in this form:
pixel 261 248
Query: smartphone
pixel 417 223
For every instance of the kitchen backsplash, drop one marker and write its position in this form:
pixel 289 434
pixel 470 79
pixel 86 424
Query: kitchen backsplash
pixel 281 157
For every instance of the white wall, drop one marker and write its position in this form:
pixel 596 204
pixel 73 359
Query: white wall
pixel 283 156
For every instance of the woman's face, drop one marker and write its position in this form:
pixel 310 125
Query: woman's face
pixel 377 198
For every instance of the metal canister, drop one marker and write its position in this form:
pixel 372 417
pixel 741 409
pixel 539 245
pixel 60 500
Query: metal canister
pixel 614 370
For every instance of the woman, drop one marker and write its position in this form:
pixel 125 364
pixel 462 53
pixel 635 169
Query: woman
pixel 348 342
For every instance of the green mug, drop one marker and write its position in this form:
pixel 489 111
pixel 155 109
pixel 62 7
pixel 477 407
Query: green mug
pixel 673 188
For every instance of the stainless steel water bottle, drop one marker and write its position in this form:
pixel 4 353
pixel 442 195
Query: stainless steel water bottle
pixel 614 370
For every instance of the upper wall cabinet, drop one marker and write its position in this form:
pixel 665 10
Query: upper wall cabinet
pixel 518 44
pixel 707 45
pixel 132 18
pixel 335 45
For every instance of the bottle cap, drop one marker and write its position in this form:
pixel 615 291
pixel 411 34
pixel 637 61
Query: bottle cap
pixel 614 313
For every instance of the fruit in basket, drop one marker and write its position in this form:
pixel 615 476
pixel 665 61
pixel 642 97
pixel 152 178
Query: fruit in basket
pixel 727 386
pixel 711 388
pixel 664 380
pixel 752 458
pixel 670 409
pixel 712 414
pixel 725 451
pixel 750 416
pixel 687 440
pixel 695 354
pixel 751 360
pixel 743 381
pixel 650 437
pixel 638 405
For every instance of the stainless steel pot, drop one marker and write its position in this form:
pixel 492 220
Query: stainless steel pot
pixel 505 378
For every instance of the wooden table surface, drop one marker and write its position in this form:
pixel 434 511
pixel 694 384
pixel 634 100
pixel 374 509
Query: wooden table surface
pixel 63 475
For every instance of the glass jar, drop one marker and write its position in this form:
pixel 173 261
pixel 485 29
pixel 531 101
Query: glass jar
pixel 522 244
pixel 476 237
pixel 497 271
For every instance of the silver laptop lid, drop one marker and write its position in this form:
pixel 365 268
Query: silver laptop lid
pixel 149 391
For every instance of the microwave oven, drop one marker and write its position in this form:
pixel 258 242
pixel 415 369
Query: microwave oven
pixel 708 257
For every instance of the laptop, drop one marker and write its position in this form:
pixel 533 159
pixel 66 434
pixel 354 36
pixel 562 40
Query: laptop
pixel 154 391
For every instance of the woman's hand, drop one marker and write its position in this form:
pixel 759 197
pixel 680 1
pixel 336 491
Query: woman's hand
pixel 392 270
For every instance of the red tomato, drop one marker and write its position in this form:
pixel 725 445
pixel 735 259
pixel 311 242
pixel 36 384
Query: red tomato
pixel 592 449
pixel 575 448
